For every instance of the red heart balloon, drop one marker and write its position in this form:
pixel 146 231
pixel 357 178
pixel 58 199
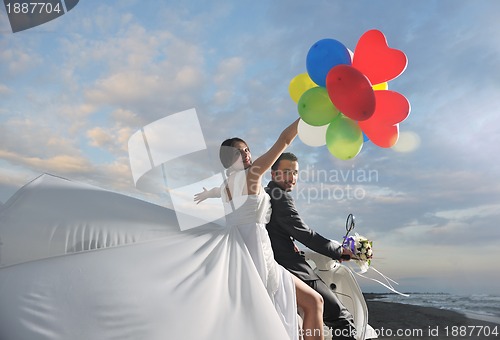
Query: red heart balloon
pixel 392 107
pixel 383 126
pixel 384 136
pixel 351 92
pixel 375 59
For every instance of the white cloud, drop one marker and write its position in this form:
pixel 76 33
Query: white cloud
pixel 145 71
pixel 31 137
pixel 58 164
pixel 480 211
pixel 228 70
pixel 112 139
pixel 98 137
pixel 124 87
pixel 4 89
pixel 19 60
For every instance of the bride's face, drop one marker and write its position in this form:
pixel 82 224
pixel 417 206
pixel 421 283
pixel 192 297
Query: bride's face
pixel 245 156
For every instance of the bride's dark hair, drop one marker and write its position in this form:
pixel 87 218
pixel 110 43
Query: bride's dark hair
pixel 228 153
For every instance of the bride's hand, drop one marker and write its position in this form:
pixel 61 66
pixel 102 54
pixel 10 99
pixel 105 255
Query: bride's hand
pixel 201 196
pixel 212 193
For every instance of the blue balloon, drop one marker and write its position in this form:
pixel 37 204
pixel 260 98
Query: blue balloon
pixel 365 138
pixel 324 55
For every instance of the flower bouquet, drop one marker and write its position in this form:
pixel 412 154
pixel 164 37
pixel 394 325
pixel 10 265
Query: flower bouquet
pixel 361 247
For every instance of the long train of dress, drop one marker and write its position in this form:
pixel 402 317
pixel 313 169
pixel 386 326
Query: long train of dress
pixel 80 262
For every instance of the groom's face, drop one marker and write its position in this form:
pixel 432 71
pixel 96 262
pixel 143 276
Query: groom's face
pixel 285 176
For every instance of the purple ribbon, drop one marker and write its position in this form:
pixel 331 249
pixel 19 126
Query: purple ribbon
pixel 350 243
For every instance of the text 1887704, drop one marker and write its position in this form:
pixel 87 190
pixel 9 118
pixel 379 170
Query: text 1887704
pixel 33 8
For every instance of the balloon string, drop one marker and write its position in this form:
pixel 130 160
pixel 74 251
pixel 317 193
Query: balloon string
pixel 386 278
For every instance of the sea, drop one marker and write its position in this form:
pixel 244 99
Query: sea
pixel 477 306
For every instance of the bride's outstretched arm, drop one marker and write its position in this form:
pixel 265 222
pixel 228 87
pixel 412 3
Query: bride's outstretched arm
pixel 264 162
pixel 212 193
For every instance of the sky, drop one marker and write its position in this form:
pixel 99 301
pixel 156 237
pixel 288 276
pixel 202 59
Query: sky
pixel 74 90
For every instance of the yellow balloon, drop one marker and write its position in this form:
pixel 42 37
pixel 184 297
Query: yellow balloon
pixel 381 86
pixel 300 84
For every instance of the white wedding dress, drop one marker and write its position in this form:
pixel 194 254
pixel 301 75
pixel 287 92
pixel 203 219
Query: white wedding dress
pixel 247 215
pixel 79 262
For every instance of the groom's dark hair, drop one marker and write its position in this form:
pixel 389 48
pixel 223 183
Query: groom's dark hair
pixel 284 156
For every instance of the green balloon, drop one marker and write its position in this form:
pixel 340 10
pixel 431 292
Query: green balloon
pixel 344 138
pixel 315 107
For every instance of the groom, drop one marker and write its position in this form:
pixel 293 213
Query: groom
pixel 286 226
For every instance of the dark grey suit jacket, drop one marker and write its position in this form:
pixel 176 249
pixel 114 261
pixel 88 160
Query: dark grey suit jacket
pixel 285 226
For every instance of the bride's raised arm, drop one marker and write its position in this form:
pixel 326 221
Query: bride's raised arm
pixel 264 162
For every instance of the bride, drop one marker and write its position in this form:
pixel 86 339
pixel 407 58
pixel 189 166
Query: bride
pixel 248 210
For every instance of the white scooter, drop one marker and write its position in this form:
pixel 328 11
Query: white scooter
pixel 342 281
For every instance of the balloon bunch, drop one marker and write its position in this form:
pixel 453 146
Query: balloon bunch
pixel 343 99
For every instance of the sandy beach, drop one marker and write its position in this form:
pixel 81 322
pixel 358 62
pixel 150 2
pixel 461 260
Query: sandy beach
pixel 400 321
